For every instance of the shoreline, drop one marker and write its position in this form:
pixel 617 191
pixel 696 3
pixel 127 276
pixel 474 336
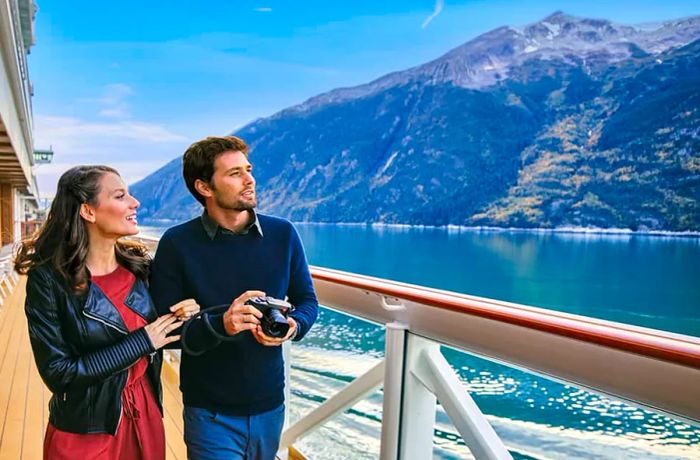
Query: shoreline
pixel 489 229
pixel 485 229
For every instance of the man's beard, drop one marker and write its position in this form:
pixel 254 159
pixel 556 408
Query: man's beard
pixel 235 204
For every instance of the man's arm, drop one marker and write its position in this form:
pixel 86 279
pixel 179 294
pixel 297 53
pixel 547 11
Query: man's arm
pixel 301 292
pixel 167 287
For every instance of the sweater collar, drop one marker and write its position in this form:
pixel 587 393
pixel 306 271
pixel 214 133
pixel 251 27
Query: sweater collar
pixel 211 227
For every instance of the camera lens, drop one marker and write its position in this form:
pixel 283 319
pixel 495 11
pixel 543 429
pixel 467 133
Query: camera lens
pixel 276 325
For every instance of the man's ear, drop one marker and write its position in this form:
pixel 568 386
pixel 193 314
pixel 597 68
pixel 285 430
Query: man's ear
pixel 87 213
pixel 203 188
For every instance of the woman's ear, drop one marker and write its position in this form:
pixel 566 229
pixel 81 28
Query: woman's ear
pixel 202 188
pixel 87 213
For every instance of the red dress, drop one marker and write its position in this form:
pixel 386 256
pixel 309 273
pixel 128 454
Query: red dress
pixel 140 434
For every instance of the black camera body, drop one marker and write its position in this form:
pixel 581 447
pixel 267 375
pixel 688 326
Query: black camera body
pixel 274 320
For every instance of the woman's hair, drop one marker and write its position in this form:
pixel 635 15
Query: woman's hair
pixel 62 241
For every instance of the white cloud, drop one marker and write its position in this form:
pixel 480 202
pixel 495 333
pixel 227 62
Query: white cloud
pixel 113 93
pixel 116 112
pixel 74 131
pixel 131 171
pixel 118 91
pixel 112 103
pixel 263 9
pixel 134 148
pixel 439 4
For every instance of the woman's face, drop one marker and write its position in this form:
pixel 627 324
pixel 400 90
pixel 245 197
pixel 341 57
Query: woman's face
pixel 115 212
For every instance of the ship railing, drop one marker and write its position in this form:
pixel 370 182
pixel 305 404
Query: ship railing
pixel 8 277
pixel 652 369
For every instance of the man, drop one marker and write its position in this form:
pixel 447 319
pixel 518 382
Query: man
pixel 232 374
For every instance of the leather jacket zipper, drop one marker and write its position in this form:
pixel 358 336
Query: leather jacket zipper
pixel 121 413
pixel 105 323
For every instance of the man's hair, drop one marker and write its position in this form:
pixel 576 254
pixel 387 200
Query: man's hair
pixel 198 160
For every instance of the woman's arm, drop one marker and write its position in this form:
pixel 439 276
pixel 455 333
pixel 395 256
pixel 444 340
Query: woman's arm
pixel 59 368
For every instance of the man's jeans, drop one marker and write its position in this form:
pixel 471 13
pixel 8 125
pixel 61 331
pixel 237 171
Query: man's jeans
pixel 213 436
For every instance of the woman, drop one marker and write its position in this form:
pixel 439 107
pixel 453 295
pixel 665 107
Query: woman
pixel 93 329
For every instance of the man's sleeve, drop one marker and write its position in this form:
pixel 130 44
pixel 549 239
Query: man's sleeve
pixel 166 283
pixel 301 292
pixel 167 287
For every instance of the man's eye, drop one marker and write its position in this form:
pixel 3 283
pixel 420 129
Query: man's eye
pixel 119 197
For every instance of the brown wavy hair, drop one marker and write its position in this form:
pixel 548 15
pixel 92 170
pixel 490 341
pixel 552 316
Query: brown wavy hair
pixel 62 241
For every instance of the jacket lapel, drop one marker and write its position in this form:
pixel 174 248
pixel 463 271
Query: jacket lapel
pixel 140 301
pixel 98 306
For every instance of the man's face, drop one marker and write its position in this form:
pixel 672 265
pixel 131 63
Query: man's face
pixel 233 184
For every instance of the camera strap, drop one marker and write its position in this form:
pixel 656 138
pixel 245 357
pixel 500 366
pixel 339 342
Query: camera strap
pixel 203 315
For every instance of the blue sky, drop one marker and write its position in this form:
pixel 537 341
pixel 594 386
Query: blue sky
pixel 133 83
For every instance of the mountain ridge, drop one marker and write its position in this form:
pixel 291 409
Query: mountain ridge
pixel 607 136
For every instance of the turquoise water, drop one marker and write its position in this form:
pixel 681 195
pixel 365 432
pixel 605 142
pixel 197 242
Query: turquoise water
pixel 642 280
pixel 647 281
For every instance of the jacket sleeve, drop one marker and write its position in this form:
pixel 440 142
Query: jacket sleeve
pixel 60 368
pixel 167 287
pixel 301 292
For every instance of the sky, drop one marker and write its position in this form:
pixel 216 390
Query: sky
pixel 131 83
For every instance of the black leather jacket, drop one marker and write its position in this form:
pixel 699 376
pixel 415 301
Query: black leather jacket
pixel 83 350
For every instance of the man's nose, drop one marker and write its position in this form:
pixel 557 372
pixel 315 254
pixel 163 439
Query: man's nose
pixel 249 179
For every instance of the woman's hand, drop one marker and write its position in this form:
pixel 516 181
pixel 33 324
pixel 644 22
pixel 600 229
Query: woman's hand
pixel 185 309
pixel 160 328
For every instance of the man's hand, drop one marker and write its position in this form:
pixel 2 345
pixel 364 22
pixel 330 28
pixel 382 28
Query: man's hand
pixel 240 317
pixel 272 341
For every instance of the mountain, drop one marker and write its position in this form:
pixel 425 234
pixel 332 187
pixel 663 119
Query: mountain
pixel 565 122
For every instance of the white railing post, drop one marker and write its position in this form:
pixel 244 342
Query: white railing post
pixel 287 357
pixel 394 358
pixel 283 453
pixel 418 405
pixel 478 434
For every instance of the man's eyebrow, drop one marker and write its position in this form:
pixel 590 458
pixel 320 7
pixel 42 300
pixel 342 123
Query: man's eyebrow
pixel 239 167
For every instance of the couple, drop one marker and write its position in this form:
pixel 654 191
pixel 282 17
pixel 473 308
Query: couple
pixel 100 312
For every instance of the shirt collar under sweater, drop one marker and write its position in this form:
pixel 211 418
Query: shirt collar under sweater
pixel 211 226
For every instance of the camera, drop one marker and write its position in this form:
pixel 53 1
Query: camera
pixel 274 320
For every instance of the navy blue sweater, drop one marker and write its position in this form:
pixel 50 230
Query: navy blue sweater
pixel 239 376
